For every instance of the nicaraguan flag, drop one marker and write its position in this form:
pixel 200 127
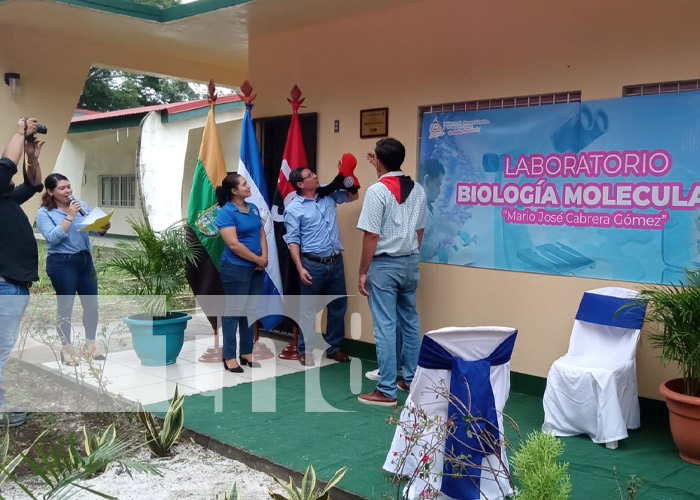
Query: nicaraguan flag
pixel 250 167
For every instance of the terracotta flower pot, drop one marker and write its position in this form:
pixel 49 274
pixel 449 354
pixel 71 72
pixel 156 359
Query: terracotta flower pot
pixel 684 416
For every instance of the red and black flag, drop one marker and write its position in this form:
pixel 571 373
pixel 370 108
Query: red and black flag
pixel 294 157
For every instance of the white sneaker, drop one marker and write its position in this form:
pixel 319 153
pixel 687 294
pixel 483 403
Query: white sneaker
pixel 374 374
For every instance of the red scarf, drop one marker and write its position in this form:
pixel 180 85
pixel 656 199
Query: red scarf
pixel 399 186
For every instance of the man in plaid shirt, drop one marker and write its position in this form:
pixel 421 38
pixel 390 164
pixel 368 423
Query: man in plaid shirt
pixel 393 218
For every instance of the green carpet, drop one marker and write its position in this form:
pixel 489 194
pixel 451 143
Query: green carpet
pixel 648 452
pixel 360 436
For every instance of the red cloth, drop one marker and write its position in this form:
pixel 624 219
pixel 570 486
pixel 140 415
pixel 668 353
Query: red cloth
pixel 347 167
pixel 399 186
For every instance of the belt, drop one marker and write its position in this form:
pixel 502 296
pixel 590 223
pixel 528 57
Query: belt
pixel 26 284
pixel 79 252
pixel 322 260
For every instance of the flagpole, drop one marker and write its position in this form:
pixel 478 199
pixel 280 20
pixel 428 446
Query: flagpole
pixel 213 354
pixel 291 351
pixel 260 351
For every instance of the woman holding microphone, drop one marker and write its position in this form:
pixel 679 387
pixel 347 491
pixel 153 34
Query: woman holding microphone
pixel 69 262
pixel 241 268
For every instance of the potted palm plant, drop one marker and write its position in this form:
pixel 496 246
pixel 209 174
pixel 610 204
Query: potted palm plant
pixel 154 267
pixel 675 313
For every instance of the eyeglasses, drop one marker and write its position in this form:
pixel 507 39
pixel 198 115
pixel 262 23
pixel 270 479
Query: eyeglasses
pixel 311 174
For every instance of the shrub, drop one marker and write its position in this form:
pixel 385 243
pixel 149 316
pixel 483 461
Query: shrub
pixel 160 439
pixel 535 467
pixel 675 310
pixel 154 264
pixel 62 468
pixel 308 489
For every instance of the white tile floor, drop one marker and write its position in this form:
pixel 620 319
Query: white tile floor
pixel 124 375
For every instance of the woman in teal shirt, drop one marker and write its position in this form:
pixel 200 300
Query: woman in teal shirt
pixel 242 267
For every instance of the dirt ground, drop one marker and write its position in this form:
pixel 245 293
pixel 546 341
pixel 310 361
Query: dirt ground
pixel 190 472
pixel 34 389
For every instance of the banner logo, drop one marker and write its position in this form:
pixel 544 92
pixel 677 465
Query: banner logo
pixel 435 129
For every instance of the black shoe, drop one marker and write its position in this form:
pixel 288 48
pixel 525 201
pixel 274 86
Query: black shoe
pixel 252 364
pixel 92 352
pixel 238 369
pixel 69 361
pixel 307 359
pixel 338 356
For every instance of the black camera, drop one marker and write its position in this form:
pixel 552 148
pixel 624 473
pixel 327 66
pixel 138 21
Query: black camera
pixel 40 129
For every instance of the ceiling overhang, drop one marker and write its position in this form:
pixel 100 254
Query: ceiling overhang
pixel 208 31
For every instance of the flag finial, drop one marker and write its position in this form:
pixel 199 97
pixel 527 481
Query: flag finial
pixel 246 93
pixel 212 91
pixel 295 101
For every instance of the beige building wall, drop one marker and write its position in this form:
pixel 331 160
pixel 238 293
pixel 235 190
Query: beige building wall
pixel 430 51
pixel 53 67
pixel 438 51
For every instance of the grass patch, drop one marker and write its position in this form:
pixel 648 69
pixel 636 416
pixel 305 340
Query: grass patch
pixel 110 282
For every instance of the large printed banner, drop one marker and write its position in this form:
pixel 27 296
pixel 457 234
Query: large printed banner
pixel 605 189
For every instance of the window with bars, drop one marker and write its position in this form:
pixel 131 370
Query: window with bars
pixel 505 102
pixel 660 88
pixel 118 190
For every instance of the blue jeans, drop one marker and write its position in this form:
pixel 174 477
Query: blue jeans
pixel 393 282
pixel 71 274
pixel 326 279
pixel 243 286
pixel 13 302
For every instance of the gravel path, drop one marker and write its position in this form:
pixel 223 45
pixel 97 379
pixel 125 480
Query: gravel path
pixel 192 472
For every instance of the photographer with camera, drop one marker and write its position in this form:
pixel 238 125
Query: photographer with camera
pixel 18 250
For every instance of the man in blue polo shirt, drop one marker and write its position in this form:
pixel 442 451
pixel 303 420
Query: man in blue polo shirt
pixel 314 243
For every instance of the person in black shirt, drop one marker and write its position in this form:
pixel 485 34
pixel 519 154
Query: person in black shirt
pixel 18 250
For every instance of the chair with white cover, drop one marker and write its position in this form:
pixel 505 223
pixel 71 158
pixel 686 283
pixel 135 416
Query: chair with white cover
pixel 457 366
pixel 592 389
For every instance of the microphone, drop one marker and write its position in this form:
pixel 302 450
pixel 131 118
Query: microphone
pixel 71 199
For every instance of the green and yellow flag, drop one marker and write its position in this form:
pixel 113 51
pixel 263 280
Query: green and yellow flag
pixel 204 278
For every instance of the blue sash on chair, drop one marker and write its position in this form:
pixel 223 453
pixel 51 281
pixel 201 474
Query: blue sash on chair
pixel 478 398
pixel 611 311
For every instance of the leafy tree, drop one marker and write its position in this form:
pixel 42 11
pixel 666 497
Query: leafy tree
pixel 109 90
